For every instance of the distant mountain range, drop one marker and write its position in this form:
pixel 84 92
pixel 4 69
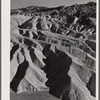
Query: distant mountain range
pixel 77 10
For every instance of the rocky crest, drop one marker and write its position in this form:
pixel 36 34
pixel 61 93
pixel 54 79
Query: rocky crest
pixel 54 49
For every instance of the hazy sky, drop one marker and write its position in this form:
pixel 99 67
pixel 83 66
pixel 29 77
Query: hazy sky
pixel 47 3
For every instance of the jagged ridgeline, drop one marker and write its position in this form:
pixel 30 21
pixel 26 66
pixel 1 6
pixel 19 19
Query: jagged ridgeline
pixel 54 49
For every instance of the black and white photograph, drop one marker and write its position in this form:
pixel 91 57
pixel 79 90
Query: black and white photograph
pixel 53 49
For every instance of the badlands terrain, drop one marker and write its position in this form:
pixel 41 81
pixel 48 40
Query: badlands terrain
pixel 53 53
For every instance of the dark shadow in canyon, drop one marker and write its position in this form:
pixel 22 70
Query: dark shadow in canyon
pixel 56 69
pixel 19 75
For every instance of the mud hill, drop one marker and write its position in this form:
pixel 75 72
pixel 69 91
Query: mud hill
pixel 54 50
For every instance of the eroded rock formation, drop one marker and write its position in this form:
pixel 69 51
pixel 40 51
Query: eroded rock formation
pixel 54 50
